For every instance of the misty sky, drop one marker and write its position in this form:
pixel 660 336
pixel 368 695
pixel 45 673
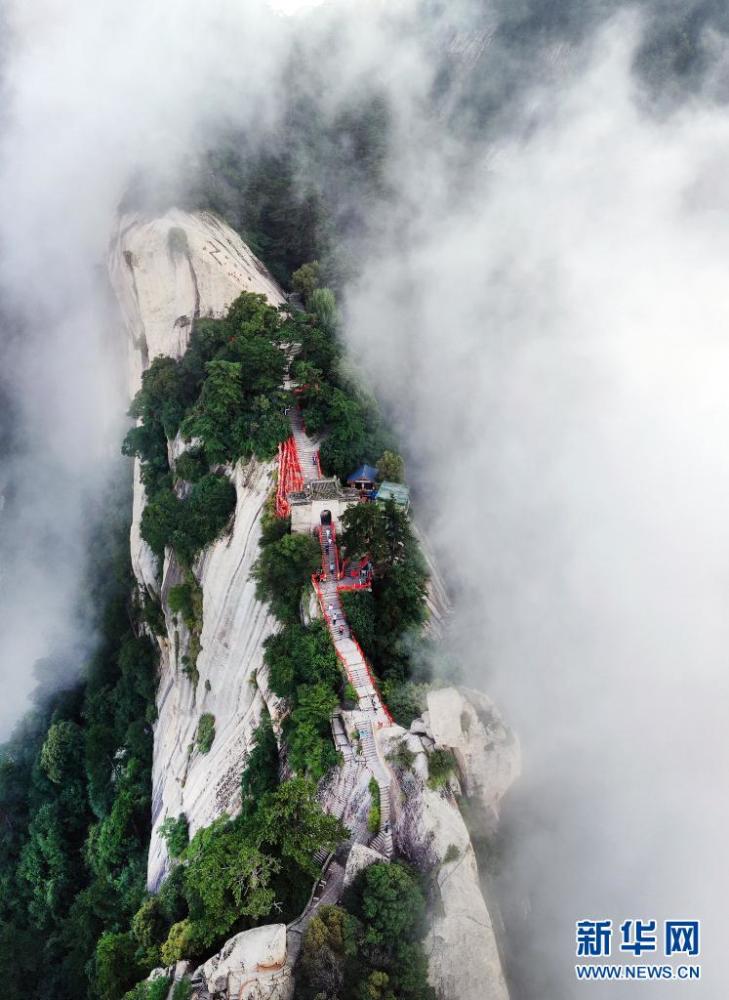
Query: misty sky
pixel 543 306
pixel 554 336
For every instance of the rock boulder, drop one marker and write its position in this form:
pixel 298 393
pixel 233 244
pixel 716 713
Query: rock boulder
pixel 250 965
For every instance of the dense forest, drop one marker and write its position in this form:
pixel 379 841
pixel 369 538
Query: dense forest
pixel 75 806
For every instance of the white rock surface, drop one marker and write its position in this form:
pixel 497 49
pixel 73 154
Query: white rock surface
pixel 180 970
pixel 487 751
pixel 166 271
pixel 360 857
pixel 464 961
pixel 250 965
pixel 144 561
pixel 235 624
pixel 445 706
pixel 162 288
pixel 310 609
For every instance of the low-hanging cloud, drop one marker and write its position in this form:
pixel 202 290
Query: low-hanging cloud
pixel 94 96
pixel 98 102
pixel 550 328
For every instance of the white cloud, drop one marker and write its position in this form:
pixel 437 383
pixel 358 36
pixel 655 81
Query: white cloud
pixel 94 95
pixel 551 331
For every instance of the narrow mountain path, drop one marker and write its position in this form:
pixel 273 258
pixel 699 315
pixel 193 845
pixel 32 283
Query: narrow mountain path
pixel 355 738
pixel 306 448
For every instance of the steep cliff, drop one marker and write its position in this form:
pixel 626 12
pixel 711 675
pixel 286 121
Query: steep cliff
pixel 464 960
pixel 167 271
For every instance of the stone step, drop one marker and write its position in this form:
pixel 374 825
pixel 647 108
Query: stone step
pixel 383 844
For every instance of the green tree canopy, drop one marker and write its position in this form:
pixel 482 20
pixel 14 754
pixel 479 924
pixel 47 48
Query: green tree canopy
pixel 282 571
pixel 163 395
pixel 364 533
pixel 261 771
pixel 61 750
pixel 227 876
pixel 293 823
pixel 306 279
pixel 205 734
pixel 324 306
pixel 330 943
pixel 116 965
pixel 392 905
pixel 175 833
pixel 391 467
pixel 397 605
pixel 213 416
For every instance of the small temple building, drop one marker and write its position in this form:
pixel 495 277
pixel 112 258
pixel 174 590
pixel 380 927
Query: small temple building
pixel 322 501
pixel 363 479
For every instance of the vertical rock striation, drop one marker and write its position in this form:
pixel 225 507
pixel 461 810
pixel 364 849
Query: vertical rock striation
pixel 464 959
pixel 167 271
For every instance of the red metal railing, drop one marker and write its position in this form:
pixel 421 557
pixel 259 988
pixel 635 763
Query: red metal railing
pixel 291 479
pixel 290 476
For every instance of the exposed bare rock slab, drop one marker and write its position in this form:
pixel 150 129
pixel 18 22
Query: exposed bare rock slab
pixel 231 685
pixel 487 751
pixel 250 965
pixel 464 960
pixel 167 271
pixel 360 857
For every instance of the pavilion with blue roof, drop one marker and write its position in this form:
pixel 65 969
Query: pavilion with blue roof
pixel 364 478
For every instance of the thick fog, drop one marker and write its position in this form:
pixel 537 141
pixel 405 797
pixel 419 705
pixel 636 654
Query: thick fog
pixel 542 304
pixel 551 329
pixel 94 97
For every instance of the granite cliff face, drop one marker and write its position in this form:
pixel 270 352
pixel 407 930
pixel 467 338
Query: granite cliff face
pixel 167 271
pixel 464 960
pixel 486 751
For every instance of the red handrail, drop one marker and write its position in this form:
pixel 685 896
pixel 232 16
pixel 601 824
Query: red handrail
pixel 290 479
pixel 290 476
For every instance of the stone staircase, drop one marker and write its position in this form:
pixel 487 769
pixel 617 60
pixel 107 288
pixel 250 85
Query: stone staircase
pixel 326 892
pixel 341 740
pixel 308 451
pixel 370 713
pixel 321 856
pixel 383 840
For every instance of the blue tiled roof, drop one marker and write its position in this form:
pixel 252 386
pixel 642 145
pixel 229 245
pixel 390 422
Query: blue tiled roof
pixel 365 471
